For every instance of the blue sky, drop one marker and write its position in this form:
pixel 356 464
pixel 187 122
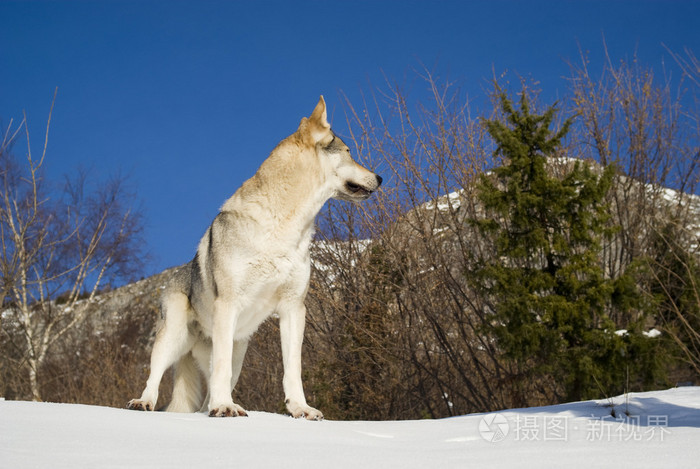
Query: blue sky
pixel 189 97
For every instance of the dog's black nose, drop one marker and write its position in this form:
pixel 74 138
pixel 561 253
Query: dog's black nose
pixel 379 180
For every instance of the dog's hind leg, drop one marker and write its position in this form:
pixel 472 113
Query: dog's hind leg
pixel 173 340
pixel 187 386
pixel 239 349
pixel 201 351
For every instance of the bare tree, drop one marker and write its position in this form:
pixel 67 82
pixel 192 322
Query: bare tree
pixel 642 124
pixel 57 251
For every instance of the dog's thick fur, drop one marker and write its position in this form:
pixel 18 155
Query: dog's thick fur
pixel 251 262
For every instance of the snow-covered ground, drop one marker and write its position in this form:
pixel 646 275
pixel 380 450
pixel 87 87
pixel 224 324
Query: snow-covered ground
pixel 663 430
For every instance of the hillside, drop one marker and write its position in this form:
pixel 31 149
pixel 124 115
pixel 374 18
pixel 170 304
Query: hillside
pixel 662 430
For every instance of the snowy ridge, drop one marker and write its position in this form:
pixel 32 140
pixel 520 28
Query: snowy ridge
pixel 447 202
pixel 667 198
pixel 652 429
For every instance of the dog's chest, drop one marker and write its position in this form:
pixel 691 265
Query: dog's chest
pixel 268 280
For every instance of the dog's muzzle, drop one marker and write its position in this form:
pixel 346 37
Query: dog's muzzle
pixel 362 191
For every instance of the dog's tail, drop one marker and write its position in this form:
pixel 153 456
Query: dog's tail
pixel 187 387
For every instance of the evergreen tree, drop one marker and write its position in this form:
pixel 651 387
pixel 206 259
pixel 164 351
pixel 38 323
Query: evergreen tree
pixel 550 299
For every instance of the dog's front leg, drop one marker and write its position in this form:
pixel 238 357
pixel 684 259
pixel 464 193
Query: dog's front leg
pixel 224 327
pixel 292 321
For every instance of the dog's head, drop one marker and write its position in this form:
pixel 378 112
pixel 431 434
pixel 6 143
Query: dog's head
pixel 349 180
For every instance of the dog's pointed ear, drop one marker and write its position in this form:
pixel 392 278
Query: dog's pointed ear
pixel 317 127
pixel 320 116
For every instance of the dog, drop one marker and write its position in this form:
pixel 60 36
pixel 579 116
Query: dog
pixel 253 261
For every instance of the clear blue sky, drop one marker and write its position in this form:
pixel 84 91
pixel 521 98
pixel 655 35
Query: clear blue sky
pixel 188 97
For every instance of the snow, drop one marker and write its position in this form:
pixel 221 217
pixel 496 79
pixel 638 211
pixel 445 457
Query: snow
pixel 662 430
pixel 447 202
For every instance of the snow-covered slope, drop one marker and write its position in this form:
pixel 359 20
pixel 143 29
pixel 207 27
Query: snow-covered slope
pixel 663 430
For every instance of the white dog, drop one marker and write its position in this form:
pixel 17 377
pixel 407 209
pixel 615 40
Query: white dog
pixel 251 262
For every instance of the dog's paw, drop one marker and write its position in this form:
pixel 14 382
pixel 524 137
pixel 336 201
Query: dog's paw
pixel 138 404
pixel 228 410
pixel 303 411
